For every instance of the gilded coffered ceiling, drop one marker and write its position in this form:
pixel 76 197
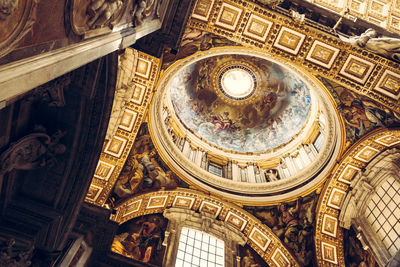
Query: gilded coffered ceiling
pixel 218 95
pixel 385 14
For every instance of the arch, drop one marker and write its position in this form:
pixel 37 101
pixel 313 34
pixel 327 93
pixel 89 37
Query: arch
pixel 328 234
pixel 260 237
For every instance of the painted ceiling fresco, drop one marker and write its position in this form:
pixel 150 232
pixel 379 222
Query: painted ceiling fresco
pixel 277 112
pixel 143 172
pixel 194 40
pixel 354 253
pixel 361 114
pixel 293 223
pixel 141 239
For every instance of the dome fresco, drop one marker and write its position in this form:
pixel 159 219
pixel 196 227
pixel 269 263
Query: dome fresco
pixel 269 115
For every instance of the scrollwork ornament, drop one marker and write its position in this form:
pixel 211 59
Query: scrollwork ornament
pixel 32 151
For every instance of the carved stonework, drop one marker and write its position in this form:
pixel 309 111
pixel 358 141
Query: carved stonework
pixel 146 9
pixel 7 7
pixel 33 151
pixel 16 20
pixel 89 15
pixel 385 46
pixel 11 256
pixel 51 93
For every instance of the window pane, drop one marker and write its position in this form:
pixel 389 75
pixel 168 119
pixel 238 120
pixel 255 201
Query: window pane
pixel 198 248
pixel 382 214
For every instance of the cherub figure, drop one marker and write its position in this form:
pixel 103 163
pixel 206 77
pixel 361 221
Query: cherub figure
pixel 101 12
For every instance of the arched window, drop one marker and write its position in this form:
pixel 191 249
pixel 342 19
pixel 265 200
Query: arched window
pixel 198 239
pixel 372 207
pixel 198 248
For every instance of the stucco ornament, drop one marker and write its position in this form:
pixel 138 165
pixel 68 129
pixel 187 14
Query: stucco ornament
pixel 7 7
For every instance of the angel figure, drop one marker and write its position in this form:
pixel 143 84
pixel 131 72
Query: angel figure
pixel 388 47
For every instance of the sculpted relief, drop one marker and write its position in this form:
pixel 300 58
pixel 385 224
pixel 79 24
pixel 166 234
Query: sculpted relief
pixel 145 9
pixel 102 12
pixel 7 7
pixel 89 15
pixel 16 20
pixel 100 16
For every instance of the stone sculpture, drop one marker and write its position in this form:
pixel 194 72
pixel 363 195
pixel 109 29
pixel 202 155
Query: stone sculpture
pixel 7 7
pixel 388 47
pixel 33 151
pixel 101 12
pixel 13 257
pixel 145 9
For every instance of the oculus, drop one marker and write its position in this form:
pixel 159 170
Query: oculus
pixel 237 82
pixel 240 103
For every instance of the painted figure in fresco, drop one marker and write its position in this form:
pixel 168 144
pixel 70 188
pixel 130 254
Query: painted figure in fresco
pixel 195 40
pixel 142 171
pixel 355 255
pixel 388 47
pixel 360 113
pixel 131 177
pixel 293 225
pixel 222 122
pixel 297 229
pixel 157 178
pixel 142 244
pixel 363 115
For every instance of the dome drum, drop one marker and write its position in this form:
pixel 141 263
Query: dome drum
pixel 275 140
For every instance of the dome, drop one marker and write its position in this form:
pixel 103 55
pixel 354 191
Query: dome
pixel 240 103
pixel 239 123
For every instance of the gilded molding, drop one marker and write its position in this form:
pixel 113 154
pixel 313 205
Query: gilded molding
pixel 144 77
pixel 329 238
pixel 293 42
pixel 226 210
